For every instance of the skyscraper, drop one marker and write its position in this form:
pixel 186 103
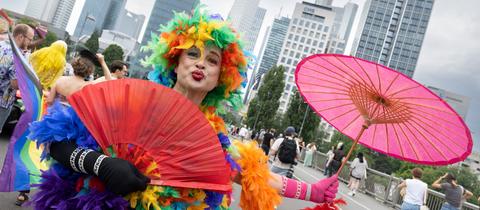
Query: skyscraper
pixel 115 10
pixel 162 12
pixel 56 12
pixel 63 13
pixel 270 52
pixel 393 32
pixel 42 9
pixel 314 29
pixel 458 102
pixel 247 19
pixel 92 17
pixel 130 23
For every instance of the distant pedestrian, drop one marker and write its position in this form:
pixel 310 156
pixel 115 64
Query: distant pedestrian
pixel 358 171
pixel 328 161
pixel 243 133
pixel 286 152
pixel 454 193
pixel 416 191
pixel 310 150
pixel 300 143
pixel 338 157
pixel 267 140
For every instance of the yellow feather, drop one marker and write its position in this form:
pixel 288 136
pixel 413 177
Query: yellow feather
pixel 49 62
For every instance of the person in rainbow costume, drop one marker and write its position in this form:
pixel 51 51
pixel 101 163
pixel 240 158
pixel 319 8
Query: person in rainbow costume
pixel 201 57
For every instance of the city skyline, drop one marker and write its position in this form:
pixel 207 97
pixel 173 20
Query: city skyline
pixel 448 58
pixel 393 33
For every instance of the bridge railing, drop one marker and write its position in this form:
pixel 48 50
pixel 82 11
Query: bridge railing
pixel 383 187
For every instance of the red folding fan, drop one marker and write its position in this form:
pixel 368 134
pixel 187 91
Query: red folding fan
pixel 146 123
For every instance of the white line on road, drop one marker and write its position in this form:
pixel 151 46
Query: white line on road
pixel 344 195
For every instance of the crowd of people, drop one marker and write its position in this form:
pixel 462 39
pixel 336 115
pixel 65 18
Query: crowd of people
pixel 191 59
pixel 47 64
pixel 208 69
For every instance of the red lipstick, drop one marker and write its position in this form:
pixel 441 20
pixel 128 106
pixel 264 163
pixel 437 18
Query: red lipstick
pixel 198 75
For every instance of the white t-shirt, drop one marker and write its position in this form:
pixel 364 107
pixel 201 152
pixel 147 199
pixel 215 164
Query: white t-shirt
pixel 415 191
pixel 277 162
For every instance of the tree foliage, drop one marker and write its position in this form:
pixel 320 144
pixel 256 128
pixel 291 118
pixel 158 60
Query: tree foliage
pixel 302 117
pixel 263 108
pixel 27 21
pixel 113 52
pixel 50 37
pixel 92 42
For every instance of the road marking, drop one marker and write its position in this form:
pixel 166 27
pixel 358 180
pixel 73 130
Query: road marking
pixel 344 195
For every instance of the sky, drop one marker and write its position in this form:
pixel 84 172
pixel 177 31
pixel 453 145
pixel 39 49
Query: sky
pixel 449 59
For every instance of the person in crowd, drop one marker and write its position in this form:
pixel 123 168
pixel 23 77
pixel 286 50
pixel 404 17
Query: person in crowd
pixel 243 133
pixel 300 143
pixel 328 161
pixel 83 66
pixel 415 191
pixel 118 70
pixel 454 193
pixel 3 29
pixel 358 171
pixel 285 152
pixel 311 149
pixel 338 158
pixel 267 140
pixel 195 55
pixel 22 36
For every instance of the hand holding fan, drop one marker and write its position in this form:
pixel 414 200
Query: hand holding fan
pixel 160 131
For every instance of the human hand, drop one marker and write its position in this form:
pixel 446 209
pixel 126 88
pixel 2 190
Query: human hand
pixel 444 176
pixel 100 58
pixel 325 190
pixel 121 177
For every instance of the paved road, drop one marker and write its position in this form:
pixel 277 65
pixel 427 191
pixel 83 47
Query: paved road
pixel 359 202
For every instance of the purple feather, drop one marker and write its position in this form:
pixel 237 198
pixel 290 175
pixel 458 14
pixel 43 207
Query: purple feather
pixel 213 199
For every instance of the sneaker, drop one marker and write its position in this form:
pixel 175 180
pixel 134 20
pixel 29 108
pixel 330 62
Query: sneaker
pixel 351 194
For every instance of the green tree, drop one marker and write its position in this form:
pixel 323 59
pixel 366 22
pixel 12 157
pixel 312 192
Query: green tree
pixel 92 42
pixel 263 108
pixel 27 21
pixel 302 117
pixel 113 52
pixel 49 39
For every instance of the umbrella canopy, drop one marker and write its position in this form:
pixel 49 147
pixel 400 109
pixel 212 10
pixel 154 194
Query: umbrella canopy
pixel 386 111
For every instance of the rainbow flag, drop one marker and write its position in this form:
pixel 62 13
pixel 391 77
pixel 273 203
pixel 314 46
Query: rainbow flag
pixel 22 164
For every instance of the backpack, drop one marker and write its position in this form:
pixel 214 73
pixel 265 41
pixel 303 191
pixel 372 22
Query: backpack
pixel 287 151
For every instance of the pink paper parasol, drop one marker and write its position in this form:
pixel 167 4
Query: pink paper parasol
pixel 385 110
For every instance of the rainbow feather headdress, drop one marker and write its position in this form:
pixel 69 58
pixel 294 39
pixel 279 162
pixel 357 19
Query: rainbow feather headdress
pixel 199 30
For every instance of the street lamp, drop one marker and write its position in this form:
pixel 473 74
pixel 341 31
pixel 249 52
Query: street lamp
pixel 304 116
pixel 87 17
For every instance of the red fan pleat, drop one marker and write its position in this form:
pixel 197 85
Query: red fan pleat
pixel 143 122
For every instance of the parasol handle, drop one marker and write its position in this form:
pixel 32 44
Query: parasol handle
pixel 364 127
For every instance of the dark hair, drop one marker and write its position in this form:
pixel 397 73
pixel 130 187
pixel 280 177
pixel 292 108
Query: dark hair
pixel 117 65
pixel 360 157
pixel 417 173
pixel 82 66
pixel 450 178
pixel 21 29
